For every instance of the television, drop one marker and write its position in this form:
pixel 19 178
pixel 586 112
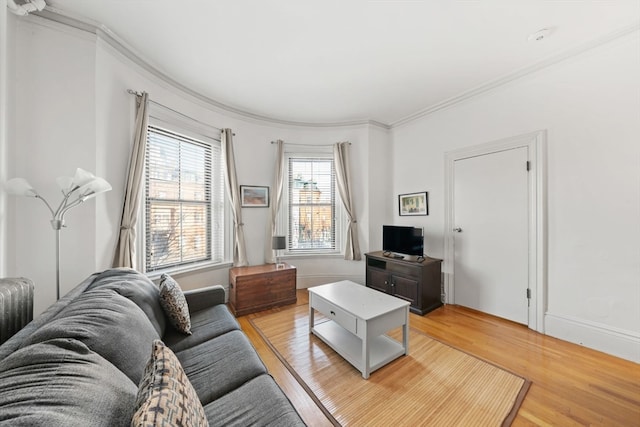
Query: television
pixel 403 240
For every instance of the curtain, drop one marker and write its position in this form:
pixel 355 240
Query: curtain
pixel 278 184
pixel 239 248
pixel 125 252
pixel 343 177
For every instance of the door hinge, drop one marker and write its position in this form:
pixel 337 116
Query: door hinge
pixel 528 165
pixel 528 293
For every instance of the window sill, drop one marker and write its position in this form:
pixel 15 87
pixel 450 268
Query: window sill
pixel 194 268
pixel 310 255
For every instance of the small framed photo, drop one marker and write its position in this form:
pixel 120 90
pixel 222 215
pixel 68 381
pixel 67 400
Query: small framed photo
pixel 252 196
pixel 414 204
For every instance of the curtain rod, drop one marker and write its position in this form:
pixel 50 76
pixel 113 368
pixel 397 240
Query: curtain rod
pixel 309 145
pixel 133 92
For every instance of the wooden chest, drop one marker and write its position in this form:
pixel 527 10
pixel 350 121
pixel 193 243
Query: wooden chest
pixel 261 287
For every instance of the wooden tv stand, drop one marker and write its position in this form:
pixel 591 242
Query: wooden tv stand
pixel 415 281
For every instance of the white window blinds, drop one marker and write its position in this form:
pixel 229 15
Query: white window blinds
pixel 184 201
pixel 312 219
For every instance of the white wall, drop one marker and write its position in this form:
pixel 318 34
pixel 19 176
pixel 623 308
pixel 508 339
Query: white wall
pixel 6 38
pixel 76 84
pixel 3 135
pixel 590 106
pixel 381 203
pixel 55 130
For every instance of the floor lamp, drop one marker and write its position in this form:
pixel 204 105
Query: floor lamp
pixel 75 190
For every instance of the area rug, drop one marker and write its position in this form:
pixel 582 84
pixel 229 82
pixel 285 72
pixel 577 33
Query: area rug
pixel 435 385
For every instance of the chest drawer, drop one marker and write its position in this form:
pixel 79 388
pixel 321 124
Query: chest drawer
pixel 273 283
pixel 338 315
pixel 260 287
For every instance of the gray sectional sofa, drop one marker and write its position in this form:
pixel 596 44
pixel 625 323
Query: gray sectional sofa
pixel 80 362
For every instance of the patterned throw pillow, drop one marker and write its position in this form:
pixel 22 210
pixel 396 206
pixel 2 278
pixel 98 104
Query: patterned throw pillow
pixel 174 304
pixel 165 395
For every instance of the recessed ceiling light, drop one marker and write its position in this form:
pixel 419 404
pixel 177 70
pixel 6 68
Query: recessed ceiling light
pixel 539 35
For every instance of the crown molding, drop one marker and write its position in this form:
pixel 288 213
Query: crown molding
pixel 105 34
pixel 486 87
pixel 108 36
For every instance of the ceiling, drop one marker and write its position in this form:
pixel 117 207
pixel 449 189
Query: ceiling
pixel 347 60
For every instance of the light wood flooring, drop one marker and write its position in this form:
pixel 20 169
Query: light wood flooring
pixel 571 385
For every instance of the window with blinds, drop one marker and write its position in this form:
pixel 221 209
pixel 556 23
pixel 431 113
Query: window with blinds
pixel 312 204
pixel 183 200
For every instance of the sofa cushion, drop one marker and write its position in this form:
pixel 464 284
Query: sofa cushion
pixel 220 365
pixel 109 324
pixel 138 288
pixel 166 397
pixel 259 402
pixel 62 383
pixel 205 324
pixel 174 304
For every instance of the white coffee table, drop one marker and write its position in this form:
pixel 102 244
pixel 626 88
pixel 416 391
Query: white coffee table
pixel 360 317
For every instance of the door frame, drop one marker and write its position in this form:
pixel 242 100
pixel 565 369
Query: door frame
pixel 536 144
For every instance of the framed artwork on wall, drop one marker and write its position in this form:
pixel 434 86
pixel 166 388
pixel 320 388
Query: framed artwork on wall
pixel 253 196
pixel 413 204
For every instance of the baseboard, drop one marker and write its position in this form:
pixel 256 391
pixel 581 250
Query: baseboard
pixel 304 282
pixel 610 340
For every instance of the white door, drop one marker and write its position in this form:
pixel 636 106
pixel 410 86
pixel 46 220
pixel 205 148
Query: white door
pixel 491 260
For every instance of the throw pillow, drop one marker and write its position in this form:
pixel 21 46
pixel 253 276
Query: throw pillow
pixel 165 395
pixel 174 304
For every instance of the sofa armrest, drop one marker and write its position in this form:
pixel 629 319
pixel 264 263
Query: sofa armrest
pixel 198 299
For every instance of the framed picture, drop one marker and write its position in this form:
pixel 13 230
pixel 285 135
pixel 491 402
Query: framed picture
pixel 414 204
pixel 252 196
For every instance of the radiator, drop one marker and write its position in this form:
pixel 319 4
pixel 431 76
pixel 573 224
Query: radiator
pixel 16 305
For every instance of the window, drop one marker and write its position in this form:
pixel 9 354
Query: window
pixel 312 217
pixel 184 200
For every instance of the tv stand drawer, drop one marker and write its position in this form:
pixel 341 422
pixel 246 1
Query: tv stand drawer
pixel 404 269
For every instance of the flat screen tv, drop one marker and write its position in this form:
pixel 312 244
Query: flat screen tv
pixel 403 240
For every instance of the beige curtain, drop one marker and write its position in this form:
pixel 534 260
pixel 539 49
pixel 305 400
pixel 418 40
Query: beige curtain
pixel 341 158
pixel 125 253
pixel 239 249
pixel 276 196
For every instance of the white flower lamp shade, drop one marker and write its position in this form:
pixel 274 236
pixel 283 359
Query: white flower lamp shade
pixel 65 183
pixel 93 188
pixel 20 187
pixel 82 177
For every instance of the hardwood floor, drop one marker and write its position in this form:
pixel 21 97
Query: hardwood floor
pixel 571 385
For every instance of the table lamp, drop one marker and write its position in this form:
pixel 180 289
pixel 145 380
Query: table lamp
pixel 277 244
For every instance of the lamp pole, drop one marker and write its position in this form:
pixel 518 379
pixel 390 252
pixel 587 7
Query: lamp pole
pixel 57 225
pixel 57 222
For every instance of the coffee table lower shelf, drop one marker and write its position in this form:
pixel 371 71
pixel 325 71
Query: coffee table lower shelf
pixel 382 349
